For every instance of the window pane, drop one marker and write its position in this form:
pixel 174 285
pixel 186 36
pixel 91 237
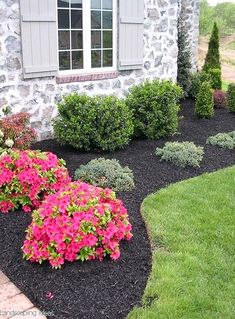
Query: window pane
pixel 64 60
pixel 107 4
pixel 95 19
pixel 64 40
pixel 76 19
pixel 107 19
pixel 76 3
pixel 77 60
pixel 63 19
pixel 77 40
pixel 96 59
pixel 63 3
pixel 96 39
pixel 107 39
pixel 107 58
pixel 95 4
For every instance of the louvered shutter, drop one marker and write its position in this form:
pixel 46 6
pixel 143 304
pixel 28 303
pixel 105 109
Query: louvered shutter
pixel 131 35
pixel 39 38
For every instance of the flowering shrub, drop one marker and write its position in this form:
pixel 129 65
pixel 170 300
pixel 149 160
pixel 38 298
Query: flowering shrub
pixel 14 131
pixel 26 177
pixel 220 99
pixel 80 222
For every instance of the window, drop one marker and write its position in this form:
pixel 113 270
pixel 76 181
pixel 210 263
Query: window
pixel 86 35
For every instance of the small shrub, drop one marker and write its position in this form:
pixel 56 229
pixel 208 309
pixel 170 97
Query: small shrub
pixel 106 173
pixel 204 107
pixel 231 97
pixel 224 140
pixel 181 153
pixel 216 80
pixel 155 108
pixel 80 222
pixel 15 131
pixel 196 81
pixel 220 99
pixel 102 123
pixel 27 177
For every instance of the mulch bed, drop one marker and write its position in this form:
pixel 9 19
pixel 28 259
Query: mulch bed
pixel 109 289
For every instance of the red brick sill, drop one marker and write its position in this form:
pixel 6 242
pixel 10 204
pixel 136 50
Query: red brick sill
pixel 61 79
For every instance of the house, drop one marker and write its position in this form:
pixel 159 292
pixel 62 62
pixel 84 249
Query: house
pixel 49 48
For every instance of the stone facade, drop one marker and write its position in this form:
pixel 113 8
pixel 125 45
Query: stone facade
pixel 39 96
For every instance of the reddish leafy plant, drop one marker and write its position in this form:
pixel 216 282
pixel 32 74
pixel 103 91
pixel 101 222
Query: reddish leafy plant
pixel 27 177
pixel 220 99
pixel 80 222
pixel 16 128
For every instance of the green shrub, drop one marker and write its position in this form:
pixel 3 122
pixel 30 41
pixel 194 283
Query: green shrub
pixel 182 154
pixel 196 81
pixel 106 173
pixel 216 80
pixel 184 58
pixel 155 108
pixel 224 140
pixel 204 106
pixel 212 60
pixel 102 123
pixel 231 97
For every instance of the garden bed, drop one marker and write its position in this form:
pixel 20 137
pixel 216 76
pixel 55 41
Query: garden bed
pixel 110 289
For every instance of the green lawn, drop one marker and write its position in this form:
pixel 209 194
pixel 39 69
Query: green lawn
pixel 192 229
pixel 225 85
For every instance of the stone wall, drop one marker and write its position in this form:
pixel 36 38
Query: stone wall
pixel 39 96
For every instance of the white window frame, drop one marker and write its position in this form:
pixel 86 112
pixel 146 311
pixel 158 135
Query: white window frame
pixel 87 69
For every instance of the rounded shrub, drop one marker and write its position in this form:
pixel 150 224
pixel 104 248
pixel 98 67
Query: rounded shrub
pixel 80 222
pixel 197 79
pixel 216 80
pixel 204 107
pixel 155 108
pixel 106 173
pixel 231 97
pixel 181 153
pixel 220 99
pixel 100 123
pixel 27 177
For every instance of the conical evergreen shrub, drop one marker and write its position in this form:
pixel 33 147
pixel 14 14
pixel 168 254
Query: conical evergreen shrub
pixel 204 107
pixel 231 97
pixel 212 60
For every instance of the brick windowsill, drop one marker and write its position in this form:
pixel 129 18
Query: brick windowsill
pixel 61 79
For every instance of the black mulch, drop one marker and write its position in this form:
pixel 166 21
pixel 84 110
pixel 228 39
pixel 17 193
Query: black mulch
pixel 109 289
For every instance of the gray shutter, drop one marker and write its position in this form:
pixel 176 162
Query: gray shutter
pixel 39 38
pixel 131 34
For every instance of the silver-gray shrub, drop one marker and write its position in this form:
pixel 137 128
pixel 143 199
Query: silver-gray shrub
pixel 224 140
pixel 181 153
pixel 106 173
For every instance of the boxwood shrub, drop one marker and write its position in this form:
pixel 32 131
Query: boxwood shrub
pixel 155 108
pixel 196 81
pixel 106 173
pixel 100 123
pixel 216 81
pixel 204 107
pixel 231 97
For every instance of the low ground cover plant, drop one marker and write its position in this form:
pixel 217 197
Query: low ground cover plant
pixel 231 97
pixel 106 173
pixel 220 99
pixel 101 123
pixel 224 140
pixel 15 131
pixel 80 222
pixel 204 107
pixel 27 177
pixel 181 153
pixel 155 108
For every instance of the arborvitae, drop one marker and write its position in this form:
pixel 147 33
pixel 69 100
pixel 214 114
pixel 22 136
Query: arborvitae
pixel 184 58
pixel 204 107
pixel 212 60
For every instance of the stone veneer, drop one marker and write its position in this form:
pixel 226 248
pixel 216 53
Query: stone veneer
pixel 39 96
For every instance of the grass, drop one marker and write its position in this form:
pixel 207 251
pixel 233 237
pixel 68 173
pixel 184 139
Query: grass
pixel 231 45
pixel 225 85
pixel 192 229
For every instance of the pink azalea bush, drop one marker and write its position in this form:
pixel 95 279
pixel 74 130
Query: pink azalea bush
pixel 80 222
pixel 27 177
